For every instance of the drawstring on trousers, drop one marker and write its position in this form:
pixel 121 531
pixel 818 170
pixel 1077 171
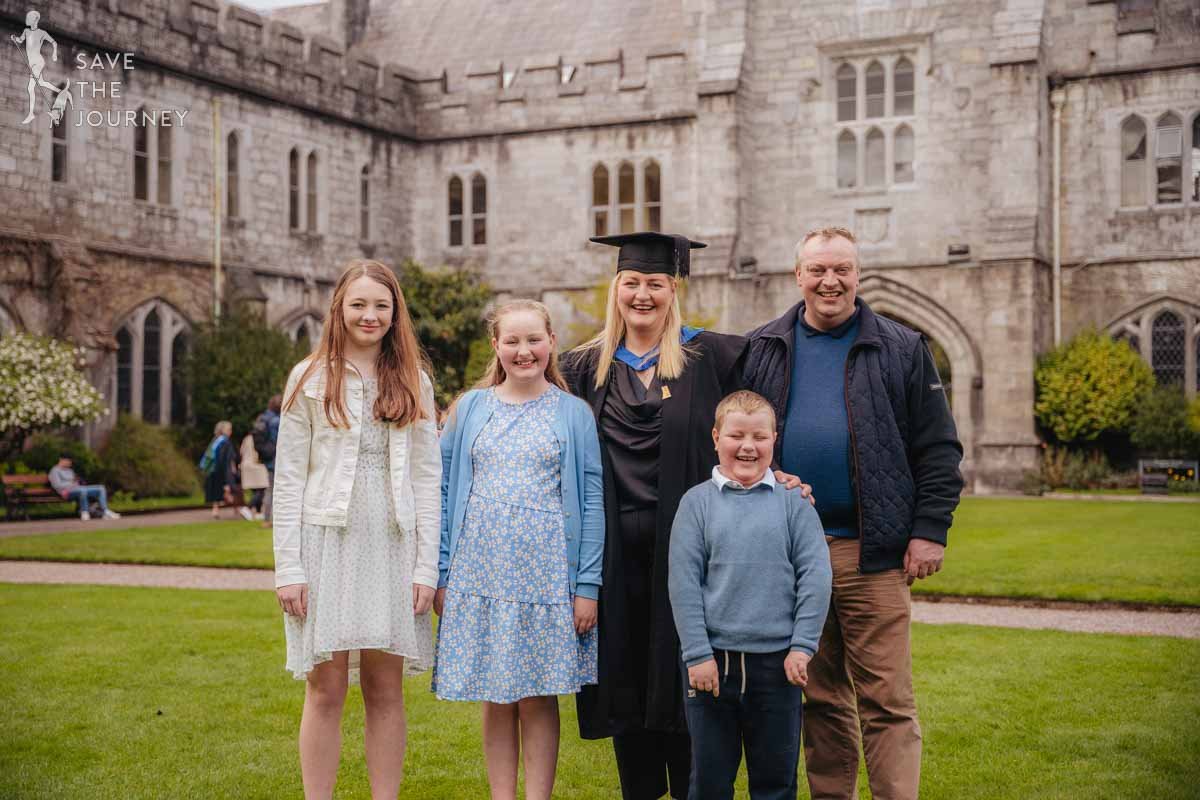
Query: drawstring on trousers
pixel 743 655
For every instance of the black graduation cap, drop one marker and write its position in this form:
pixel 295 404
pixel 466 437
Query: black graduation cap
pixel 648 251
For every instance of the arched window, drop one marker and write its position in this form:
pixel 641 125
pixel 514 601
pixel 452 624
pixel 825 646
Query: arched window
pixel 875 164
pixel 164 165
pixel 600 201
pixel 364 204
pixel 847 161
pixel 1195 181
pixel 124 371
pixel 876 90
pixel 141 159
pixel 626 198
pixel 902 150
pixel 151 367
pixel 179 393
pixel 1168 159
pixel 232 209
pixel 652 196
pixel 311 198
pixel 847 93
pixel 150 353
pixel 304 330
pixel 294 189
pixel 904 89
pixel 58 149
pixel 455 205
pixel 478 210
pixel 1166 348
pixel 1133 162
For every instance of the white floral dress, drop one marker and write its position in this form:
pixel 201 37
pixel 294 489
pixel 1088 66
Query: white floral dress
pixel 508 631
pixel 360 577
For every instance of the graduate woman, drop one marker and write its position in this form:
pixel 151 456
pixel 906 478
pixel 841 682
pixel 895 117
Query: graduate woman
pixel 653 385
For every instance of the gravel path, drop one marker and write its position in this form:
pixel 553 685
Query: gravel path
pixel 74 524
pixel 1179 624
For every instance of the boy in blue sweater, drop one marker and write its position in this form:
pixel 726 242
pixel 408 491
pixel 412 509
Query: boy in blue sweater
pixel 750 584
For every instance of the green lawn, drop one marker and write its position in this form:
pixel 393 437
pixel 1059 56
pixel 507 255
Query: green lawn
pixel 1087 550
pixel 1060 549
pixel 159 693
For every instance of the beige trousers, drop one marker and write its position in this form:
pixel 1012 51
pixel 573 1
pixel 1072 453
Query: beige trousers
pixel 861 679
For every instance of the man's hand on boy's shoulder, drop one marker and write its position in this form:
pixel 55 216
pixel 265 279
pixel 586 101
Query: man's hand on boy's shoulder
pixel 790 481
pixel 705 678
pixel 795 666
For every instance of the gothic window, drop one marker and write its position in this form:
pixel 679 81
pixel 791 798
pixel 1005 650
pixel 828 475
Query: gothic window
pixel 152 345
pixel 1133 162
pixel 1168 159
pixel 364 204
pixel 847 93
pixel 875 164
pixel 124 371
pixel 294 189
pixel 58 151
pixel 1195 181
pixel 876 90
pixel 478 210
pixel 1166 348
pixel 164 165
pixel 305 331
pixel 847 160
pixel 231 176
pixel 652 196
pixel 903 155
pixel 626 198
pixel 600 201
pixel 455 200
pixel 141 159
pixel 311 196
pixel 903 99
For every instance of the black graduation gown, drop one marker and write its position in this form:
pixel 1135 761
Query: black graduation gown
pixel 686 459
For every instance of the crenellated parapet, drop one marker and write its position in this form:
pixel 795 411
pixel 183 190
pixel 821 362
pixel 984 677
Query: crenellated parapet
pixel 232 46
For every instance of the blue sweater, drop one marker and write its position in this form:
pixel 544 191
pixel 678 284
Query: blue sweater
pixel 749 571
pixel 816 435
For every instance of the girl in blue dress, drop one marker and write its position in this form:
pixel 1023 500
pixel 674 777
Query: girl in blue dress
pixel 521 550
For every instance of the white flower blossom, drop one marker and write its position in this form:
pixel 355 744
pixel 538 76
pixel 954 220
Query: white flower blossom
pixel 42 385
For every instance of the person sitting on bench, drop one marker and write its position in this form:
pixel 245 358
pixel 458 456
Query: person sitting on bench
pixel 71 487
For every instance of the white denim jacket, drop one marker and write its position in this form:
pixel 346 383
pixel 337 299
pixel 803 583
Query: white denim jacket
pixel 314 472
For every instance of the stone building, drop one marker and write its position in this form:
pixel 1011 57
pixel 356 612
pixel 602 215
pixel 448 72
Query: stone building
pixel 500 135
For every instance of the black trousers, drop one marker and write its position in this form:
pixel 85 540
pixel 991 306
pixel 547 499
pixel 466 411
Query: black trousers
pixel 649 763
pixel 757 710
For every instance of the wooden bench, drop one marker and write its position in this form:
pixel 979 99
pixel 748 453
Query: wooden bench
pixel 21 491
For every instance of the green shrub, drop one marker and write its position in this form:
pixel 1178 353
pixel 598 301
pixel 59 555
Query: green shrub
pixel 234 367
pixel 141 459
pixel 446 306
pixel 1088 386
pixel 1160 426
pixel 1076 469
pixel 48 446
pixel 1194 414
pixel 1032 483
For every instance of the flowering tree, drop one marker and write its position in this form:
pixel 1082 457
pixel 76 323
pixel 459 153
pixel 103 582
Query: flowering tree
pixel 41 386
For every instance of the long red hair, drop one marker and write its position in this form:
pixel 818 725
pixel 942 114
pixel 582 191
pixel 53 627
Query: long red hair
pixel 397 368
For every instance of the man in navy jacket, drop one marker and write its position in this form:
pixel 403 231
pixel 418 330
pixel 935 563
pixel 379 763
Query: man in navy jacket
pixel 863 418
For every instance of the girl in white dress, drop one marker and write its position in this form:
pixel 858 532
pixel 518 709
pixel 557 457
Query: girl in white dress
pixel 357 516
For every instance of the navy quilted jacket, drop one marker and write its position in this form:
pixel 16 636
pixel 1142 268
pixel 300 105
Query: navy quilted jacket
pixel 904 447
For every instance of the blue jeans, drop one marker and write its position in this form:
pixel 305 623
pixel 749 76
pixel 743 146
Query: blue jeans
pixel 757 710
pixel 80 494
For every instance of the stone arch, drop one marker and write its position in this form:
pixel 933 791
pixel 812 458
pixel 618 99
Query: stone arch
pixel 1135 324
pixel 891 298
pixel 302 322
pixel 9 321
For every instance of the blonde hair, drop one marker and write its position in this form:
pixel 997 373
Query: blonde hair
pixel 828 232
pixel 745 401
pixel 398 365
pixel 672 353
pixel 223 428
pixel 494 375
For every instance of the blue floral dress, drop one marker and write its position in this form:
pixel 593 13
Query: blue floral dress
pixel 507 631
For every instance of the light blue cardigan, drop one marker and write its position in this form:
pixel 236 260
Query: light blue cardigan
pixel 582 484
